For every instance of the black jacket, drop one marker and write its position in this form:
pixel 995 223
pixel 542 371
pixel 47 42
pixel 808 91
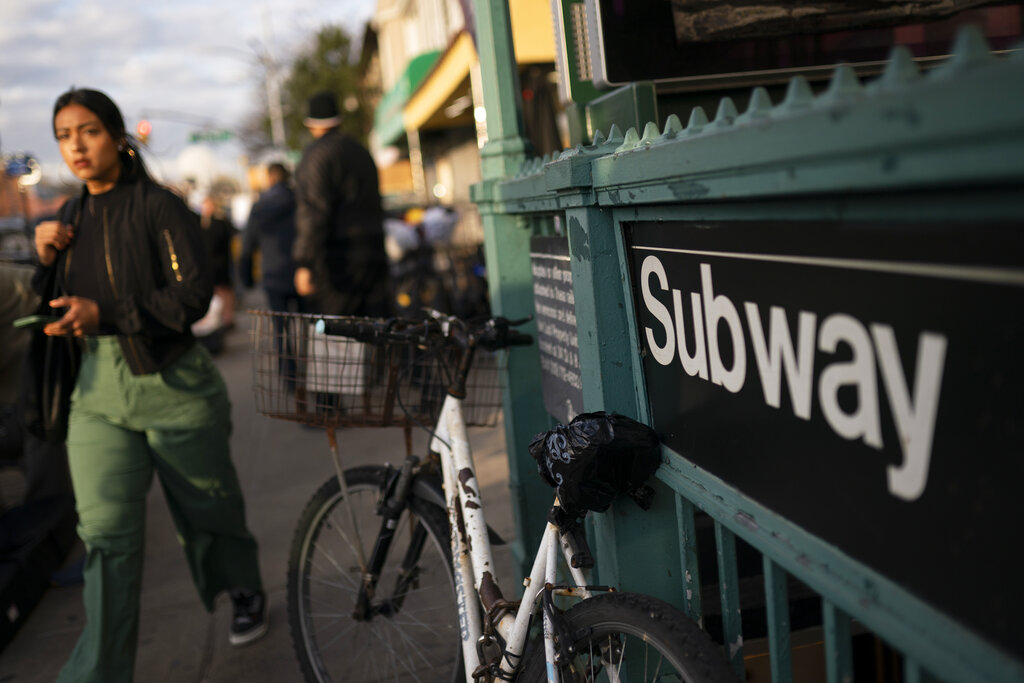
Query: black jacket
pixel 271 229
pixel 339 226
pixel 217 236
pixel 155 268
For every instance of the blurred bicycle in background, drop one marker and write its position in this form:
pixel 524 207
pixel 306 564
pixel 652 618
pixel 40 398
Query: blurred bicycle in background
pixel 430 271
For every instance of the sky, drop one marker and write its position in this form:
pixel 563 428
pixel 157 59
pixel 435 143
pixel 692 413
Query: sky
pixel 181 64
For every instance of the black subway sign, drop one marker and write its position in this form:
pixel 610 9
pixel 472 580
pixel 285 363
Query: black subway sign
pixel 864 381
pixel 779 351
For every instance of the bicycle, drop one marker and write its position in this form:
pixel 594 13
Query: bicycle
pixel 421 602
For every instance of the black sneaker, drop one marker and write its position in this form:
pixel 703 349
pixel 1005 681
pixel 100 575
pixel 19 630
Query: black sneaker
pixel 249 621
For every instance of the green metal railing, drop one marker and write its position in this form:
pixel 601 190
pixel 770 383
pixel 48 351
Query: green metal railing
pixel 946 145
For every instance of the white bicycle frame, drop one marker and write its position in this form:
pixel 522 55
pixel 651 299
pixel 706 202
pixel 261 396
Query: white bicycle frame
pixel 474 564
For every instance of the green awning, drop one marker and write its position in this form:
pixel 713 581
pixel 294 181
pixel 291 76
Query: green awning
pixel 387 120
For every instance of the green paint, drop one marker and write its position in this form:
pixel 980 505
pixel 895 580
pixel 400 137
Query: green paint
pixel 578 240
pixel 688 556
pixel 838 644
pixel 729 592
pixel 950 146
pixel 777 612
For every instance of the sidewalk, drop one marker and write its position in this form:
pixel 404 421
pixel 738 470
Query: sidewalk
pixel 280 465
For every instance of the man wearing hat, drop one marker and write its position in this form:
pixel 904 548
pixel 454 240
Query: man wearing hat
pixel 339 235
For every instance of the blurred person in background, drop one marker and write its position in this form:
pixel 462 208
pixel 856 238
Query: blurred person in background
pixel 132 267
pixel 218 232
pixel 270 230
pixel 339 246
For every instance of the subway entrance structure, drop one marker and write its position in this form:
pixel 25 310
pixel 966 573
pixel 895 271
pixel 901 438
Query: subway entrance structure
pixel 811 284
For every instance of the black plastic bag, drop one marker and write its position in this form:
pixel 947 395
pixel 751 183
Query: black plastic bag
pixel 594 459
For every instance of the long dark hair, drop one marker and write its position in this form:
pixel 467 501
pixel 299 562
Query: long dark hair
pixel 132 166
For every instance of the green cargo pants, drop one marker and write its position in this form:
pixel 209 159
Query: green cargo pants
pixel 122 428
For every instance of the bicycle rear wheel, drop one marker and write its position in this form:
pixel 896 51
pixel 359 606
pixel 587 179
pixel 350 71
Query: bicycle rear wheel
pixel 627 638
pixel 412 633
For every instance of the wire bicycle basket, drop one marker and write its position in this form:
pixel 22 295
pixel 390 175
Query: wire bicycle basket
pixel 323 380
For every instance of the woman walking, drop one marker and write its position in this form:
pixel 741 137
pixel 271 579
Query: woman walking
pixel 147 398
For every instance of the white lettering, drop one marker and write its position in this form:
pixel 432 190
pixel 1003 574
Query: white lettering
pixel 717 309
pixel 862 423
pixel 873 352
pixel 914 416
pixel 777 354
pixel 662 354
pixel 696 363
pixel 546 311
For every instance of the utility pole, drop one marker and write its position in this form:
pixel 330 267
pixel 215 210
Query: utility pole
pixel 274 108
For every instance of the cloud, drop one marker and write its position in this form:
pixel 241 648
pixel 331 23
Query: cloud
pixel 180 62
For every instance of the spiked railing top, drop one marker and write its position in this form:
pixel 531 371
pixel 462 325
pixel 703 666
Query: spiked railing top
pixel 802 124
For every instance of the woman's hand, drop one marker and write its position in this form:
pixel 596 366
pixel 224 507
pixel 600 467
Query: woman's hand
pixel 51 237
pixel 82 318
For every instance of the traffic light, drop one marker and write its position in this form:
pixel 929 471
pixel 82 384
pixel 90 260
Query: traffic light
pixel 143 130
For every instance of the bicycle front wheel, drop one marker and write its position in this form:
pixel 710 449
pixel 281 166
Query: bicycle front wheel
pixel 411 631
pixel 628 638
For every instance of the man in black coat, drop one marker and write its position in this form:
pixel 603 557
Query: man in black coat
pixel 271 230
pixel 339 247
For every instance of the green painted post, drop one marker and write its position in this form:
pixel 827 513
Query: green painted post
pixel 606 354
pixel 729 589
pixel 777 610
pixel 506 148
pixel 507 252
pixel 838 644
pixel 685 511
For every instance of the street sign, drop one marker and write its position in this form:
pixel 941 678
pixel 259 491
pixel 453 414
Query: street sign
pixel 210 136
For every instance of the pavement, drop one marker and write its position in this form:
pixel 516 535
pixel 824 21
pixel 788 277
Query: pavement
pixel 280 465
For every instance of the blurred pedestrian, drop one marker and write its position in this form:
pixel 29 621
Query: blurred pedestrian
pixel 147 397
pixel 339 245
pixel 271 231
pixel 218 233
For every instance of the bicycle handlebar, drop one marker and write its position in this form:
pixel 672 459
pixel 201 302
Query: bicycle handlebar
pixel 491 334
pixel 502 335
pixel 361 330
